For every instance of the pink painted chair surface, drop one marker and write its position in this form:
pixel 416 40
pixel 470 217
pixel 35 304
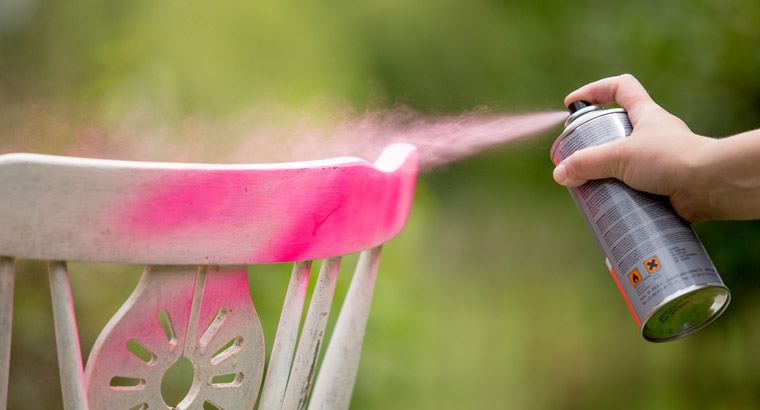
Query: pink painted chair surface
pixel 196 227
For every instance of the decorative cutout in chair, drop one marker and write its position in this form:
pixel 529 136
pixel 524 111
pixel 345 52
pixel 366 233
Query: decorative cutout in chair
pixel 196 227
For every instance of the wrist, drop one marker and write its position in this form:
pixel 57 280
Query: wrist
pixel 695 180
pixel 721 179
pixel 698 170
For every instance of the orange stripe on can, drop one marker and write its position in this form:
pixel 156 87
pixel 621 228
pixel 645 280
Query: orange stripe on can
pixel 625 296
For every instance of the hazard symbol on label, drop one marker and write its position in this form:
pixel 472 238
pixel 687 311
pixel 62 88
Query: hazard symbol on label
pixel 652 264
pixel 634 277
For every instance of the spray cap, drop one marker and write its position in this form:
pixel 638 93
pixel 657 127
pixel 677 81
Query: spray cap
pixel 578 109
pixel 577 105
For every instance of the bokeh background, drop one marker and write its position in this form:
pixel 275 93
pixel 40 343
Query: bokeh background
pixel 495 295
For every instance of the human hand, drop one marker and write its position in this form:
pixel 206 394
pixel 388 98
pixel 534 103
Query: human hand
pixel 660 156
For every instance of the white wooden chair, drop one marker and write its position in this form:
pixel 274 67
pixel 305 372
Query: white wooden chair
pixel 195 227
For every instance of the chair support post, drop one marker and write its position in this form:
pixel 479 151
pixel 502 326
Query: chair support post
pixel 67 338
pixel 281 358
pixel 312 334
pixel 335 382
pixel 6 322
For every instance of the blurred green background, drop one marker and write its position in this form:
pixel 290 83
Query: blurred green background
pixel 495 295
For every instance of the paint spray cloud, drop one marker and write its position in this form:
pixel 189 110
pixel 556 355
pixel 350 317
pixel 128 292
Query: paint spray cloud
pixel 264 134
pixel 443 139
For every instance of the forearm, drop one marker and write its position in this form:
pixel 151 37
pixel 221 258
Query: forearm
pixel 724 180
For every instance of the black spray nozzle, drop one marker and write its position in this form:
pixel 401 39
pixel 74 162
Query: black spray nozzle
pixel 577 105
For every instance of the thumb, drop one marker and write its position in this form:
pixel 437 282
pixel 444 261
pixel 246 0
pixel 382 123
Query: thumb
pixel 601 161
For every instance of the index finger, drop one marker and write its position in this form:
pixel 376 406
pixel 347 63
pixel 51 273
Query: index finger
pixel 625 90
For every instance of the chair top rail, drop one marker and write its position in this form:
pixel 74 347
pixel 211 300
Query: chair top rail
pixel 91 210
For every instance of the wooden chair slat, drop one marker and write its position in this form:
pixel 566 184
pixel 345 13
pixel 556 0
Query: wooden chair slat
pixel 336 378
pixel 281 358
pixel 312 335
pixel 67 338
pixel 7 266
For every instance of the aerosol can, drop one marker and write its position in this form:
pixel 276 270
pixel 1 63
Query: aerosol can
pixel 658 263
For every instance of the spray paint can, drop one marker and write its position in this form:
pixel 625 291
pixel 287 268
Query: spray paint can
pixel 660 266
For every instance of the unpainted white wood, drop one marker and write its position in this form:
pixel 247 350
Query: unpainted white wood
pixel 312 335
pixel 285 339
pixel 67 338
pixel 335 382
pixel 6 325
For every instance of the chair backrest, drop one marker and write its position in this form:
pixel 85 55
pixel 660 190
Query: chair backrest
pixel 196 227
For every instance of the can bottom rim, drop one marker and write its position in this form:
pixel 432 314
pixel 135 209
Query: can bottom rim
pixel 685 312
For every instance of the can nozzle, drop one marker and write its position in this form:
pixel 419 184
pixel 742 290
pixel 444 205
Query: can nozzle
pixel 577 105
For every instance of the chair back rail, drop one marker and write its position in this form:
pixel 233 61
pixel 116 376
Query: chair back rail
pixel 75 209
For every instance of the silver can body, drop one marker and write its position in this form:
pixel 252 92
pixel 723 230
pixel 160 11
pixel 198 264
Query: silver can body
pixel 661 268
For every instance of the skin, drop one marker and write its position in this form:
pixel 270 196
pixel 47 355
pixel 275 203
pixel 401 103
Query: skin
pixel 704 178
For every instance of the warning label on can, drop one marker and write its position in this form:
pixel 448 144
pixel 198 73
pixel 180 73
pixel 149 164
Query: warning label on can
pixel 634 277
pixel 652 264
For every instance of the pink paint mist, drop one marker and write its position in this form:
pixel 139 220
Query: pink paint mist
pixel 264 134
pixel 443 139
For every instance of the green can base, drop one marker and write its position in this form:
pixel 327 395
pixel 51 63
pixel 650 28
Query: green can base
pixel 684 313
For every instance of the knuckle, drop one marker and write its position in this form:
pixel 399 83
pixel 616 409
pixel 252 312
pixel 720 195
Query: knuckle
pixel 627 77
pixel 687 210
pixel 575 164
pixel 618 160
